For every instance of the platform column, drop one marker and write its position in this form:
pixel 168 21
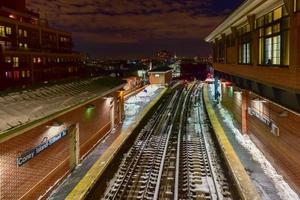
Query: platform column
pixel 74 146
pixel 112 113
pixel 245 104
pixel 120 105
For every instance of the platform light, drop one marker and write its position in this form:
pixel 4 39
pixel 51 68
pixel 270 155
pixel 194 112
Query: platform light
pixel 12 16
pixel 90 107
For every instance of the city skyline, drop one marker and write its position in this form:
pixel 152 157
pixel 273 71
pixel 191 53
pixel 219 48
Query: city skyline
pixel 132 29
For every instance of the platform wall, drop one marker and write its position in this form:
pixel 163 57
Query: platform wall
pixel 282 150
pixel 38 175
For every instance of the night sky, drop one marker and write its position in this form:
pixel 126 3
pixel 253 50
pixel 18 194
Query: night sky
pixel 136 28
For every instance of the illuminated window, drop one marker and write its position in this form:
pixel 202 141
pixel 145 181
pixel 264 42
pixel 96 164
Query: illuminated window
pixel 15 62
pixel 8 30
pixel 34 60
pixel 272 50
pixel 25 46
pixel 8 59
pixel 277 14
pixel 39 60
pixel 244 38
pixel 25 33
pixel 23 74
pixel 20 44
pixel 20 32
pixel 244 53
pixel 274 38
pixel 2 31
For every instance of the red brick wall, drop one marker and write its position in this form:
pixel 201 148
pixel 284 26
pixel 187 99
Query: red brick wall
pixel 164 78
pixel 35 177
pixel 233 102
pixel 282 151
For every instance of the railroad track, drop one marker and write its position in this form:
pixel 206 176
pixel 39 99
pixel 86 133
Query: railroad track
pixel 174 156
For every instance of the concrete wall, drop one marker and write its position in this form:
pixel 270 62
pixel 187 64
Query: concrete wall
pixel 282 151
pixel 36 176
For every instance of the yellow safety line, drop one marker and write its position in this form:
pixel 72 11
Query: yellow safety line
pixel 243 183
pixel 82 189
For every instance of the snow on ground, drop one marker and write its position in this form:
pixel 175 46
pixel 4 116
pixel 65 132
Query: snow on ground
pixel 136 103
pixel 283 189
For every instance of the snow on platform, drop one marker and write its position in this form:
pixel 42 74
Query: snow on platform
pixel 270 184
pixel 25 106
pixel 136 103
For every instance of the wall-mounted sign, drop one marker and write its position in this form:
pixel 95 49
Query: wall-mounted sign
pixel 266 120
pixel 30 154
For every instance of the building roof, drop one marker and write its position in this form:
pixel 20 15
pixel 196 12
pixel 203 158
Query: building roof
pixel 161 69
pixel 21 108
pixel 240 15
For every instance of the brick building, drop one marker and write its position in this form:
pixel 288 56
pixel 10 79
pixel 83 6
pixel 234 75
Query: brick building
pixel 256 55
pixel 30 50
pixel 161 75
pixel 45 132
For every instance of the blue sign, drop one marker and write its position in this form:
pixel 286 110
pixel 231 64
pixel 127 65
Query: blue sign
pixel 30 154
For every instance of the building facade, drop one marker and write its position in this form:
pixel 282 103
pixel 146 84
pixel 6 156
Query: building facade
pixel 257 58
pixel 161 76
pixel 30 50
pixel 38 155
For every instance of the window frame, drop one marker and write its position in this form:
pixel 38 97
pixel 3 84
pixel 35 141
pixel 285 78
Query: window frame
pixel 262 36
pixel 244 38
pixel 2 31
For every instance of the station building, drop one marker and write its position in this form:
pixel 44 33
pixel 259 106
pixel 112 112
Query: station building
pixel 46 132
pixel 160 75
pixel 30 50
pixel 257 58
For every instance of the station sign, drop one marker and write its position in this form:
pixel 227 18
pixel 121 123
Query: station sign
pixel 266 120
pixel 30 154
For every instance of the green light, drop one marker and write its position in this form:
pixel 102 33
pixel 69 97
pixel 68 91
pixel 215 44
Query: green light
pixel 230 91
pixel 89 111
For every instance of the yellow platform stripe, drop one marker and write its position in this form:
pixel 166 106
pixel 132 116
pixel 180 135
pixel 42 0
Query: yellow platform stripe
pixel 82 189
pixel 245 187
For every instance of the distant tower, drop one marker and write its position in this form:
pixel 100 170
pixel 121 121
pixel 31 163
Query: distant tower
pixel 150 65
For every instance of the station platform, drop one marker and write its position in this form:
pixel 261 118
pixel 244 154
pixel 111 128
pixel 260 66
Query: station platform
pixel 83 179
pixel 269 183
pixel 244 184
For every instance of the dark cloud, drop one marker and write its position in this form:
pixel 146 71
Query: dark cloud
pixel 135 27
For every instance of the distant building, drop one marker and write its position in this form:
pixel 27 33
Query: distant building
pixel 193 70
pixel 30 50
pixel 161 75
pixel 164 56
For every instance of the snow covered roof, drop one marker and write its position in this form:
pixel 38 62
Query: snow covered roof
pixel 22 107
